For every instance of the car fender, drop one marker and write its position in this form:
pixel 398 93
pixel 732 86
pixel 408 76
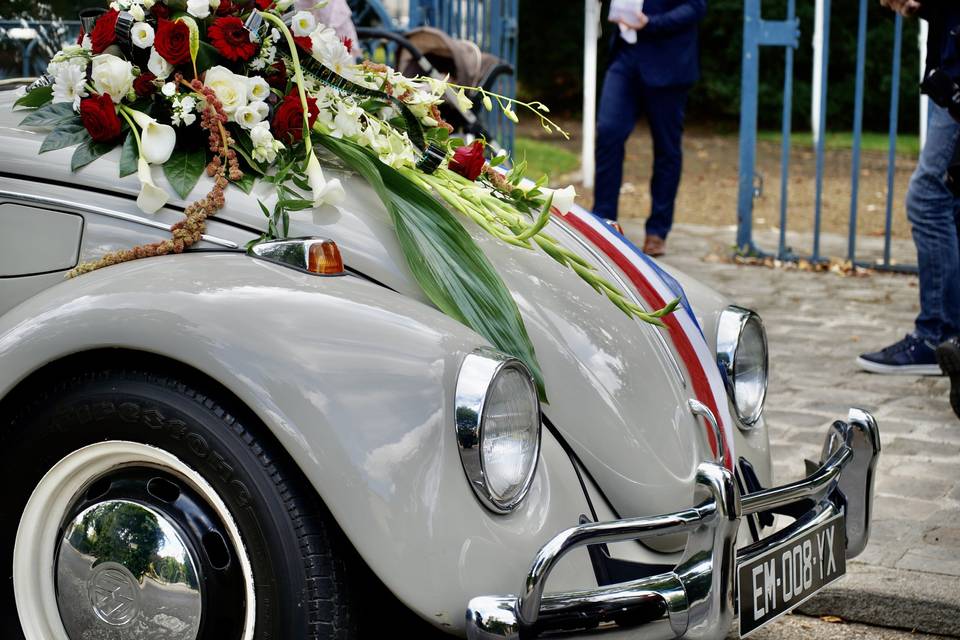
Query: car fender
pixel 354 381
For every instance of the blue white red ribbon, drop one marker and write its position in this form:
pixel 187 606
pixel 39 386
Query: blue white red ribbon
pixel 656 288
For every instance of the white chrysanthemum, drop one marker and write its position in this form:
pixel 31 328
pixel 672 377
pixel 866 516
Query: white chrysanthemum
pixel 141 35
pixel 69 80
pixel 303 23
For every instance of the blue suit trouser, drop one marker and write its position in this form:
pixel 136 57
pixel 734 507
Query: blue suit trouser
pixel 625 97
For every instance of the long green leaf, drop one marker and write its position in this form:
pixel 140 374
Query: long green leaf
pixel 184 169
pixel 36 98
pixel 65 135
pixel 452 270
pixel 128 156
pixel 50 115
pixel 88 152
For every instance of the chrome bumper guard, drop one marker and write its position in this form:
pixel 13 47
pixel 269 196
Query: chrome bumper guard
pixel 697 598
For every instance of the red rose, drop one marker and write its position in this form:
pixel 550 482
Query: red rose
pixel 304 42
pixel 172 41
pixel 468 160
pixel 263 5
pixel 276 75
pixel 226 8
pixel 104 31
pixel 99 117
pixel 161 10
pixel 288 118
pixel 232 39
pixel 143 85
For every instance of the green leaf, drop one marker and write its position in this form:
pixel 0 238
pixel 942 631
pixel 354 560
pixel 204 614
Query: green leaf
pixel 36 98
pixel 194 36
pixel 296 204
pixel 88 152
pixel 128 156
pixel 50 115
pixel 65 135
pixel 184 169
pixel 245 183
pixel 450 268
pixel 207 56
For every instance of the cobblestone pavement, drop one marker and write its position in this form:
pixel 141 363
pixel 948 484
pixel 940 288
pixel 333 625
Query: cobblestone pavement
pixel 817 324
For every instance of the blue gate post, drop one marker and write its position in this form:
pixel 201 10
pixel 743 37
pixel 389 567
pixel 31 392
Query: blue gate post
pixel 757 32
pixel 857 131
pixel 785 126
pixel 821 131
pixel 892 149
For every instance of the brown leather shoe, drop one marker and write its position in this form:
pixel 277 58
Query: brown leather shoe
pixel 654 246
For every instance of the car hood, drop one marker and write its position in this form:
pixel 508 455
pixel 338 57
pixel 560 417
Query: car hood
pixel 615 390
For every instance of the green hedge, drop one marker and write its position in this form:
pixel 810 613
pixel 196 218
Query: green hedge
pixel 551 52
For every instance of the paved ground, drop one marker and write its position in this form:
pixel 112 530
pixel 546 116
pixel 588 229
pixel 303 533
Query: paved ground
pixel 817 323
pixel 795 627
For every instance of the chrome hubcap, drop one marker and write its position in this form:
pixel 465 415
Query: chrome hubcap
pixel 126 567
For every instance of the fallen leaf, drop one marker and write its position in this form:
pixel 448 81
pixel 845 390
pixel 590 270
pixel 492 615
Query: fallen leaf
pixel 833 619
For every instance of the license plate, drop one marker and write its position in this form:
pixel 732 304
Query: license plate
pixel 771 584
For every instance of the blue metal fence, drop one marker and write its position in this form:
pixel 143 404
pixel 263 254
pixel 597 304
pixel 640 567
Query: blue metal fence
pixel 758 33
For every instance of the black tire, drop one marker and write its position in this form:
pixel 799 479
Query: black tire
pixel 298 557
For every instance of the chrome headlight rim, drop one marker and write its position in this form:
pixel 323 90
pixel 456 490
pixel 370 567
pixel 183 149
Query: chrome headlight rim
pixel 475 381
pixel 732 323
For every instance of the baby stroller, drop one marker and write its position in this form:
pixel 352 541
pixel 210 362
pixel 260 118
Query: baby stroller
pixel 427 51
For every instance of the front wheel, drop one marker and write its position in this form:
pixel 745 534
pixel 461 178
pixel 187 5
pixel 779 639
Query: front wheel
pixel 140 508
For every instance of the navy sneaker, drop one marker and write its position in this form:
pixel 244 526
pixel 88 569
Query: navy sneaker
pixel 948 355
pixel 911 356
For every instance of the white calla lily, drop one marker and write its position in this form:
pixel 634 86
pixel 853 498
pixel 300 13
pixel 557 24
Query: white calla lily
pixel 151 197
pixel 324 191
pixel 156 140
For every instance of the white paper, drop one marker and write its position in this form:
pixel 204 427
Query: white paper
pixel 625 10
pixel 628 34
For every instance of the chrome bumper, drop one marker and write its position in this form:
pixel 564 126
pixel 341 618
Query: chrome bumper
pixel 697 598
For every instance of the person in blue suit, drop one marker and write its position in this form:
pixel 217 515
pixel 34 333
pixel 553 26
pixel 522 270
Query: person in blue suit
pixel 650 76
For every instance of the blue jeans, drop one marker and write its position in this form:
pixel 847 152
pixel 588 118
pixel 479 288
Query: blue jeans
pixel 932 211
pixel 624 99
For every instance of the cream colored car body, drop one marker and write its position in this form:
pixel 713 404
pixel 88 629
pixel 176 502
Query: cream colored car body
pixel 355 375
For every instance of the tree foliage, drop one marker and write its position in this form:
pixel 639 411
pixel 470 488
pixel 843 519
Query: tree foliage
pixel 551 59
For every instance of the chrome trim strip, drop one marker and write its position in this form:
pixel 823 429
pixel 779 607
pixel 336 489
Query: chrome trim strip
pixel 629 291
pixel 702 410
pixel 119 215
pixel 696 598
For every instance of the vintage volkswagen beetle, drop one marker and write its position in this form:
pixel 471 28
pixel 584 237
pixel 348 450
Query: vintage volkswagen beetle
pixel 222 444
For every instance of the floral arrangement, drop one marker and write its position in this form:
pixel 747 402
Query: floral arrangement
pixel 260 86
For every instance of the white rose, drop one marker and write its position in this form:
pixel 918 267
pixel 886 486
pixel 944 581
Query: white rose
pixel 303 23
pixel 168 89
pixel 231 89
pixel 142 35
pixel 257 88
pixel 199 8
pixel 158 66
pixel 113 76
pixel 265 148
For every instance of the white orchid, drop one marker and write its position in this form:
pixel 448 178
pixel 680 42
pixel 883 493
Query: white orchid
pixel 324 191
pixel 151 197
pixel 231 89
pixel 265 146
pixel 113 76
pixel 563 199
pixel 142 35
pixel 158 66
pixel 303 23
pixel 156 140
pixel 199 8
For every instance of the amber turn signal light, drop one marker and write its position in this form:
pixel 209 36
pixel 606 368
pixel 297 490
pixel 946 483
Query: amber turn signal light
pixel 324 258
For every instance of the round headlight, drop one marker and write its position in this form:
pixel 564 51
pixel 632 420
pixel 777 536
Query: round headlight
pixel 498 427
pixel 742 355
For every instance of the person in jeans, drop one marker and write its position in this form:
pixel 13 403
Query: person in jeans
pixel 654 62
pixel 932 209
